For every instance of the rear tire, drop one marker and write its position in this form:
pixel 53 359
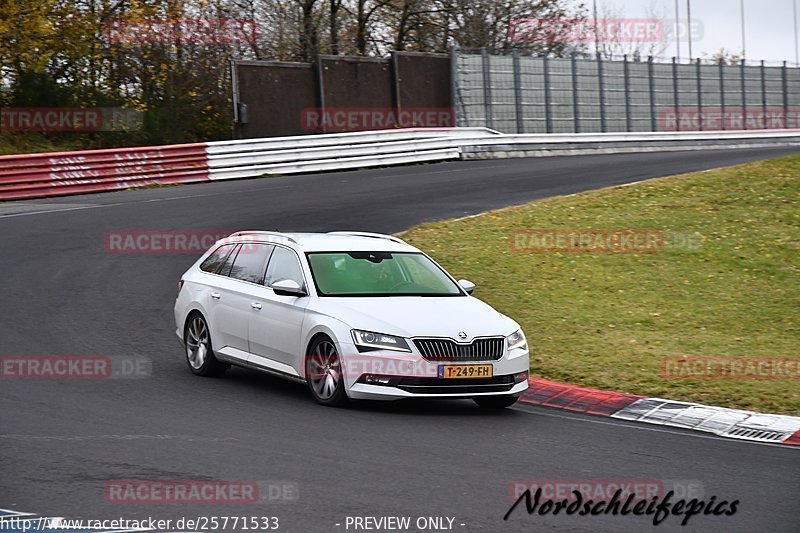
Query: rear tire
pixel 496 402
pixel 199 352
pixel 324 373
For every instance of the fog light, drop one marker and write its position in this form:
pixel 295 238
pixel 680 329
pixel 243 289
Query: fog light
pixel 371 379
pixel 520 377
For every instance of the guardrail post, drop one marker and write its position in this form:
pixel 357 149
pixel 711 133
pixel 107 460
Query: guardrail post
pixel 487 89
pixel 785 89
pixel 576 108
pixel 548 112
pixel 652 89
pixel 764 93
pixel 627 75
pixel 602 86
pixel 744 94
pixel 675 97
pixel 518 110
pixel 699 96
pixel 722 94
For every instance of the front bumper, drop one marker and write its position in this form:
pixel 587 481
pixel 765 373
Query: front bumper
pixel 388 375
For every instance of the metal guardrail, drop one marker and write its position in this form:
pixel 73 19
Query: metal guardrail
pixel 538 145
pixel 338 151
pixel 57 174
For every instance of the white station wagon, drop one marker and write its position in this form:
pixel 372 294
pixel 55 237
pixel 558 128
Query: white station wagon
pixel 353 315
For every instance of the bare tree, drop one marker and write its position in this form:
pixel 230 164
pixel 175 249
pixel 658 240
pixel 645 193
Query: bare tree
pixel 615 35
pixel 494 23
pixel 724 57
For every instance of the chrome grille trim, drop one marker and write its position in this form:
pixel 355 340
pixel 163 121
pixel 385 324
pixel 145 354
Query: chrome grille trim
pixel 443 349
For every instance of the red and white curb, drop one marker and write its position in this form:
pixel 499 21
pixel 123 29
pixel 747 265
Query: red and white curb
pixel 721 421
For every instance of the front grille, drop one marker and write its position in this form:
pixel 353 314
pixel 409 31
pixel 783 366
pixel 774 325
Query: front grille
pixel 486 349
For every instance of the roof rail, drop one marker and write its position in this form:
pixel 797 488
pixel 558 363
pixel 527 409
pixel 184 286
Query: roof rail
pixel 261 232
pixel 367 234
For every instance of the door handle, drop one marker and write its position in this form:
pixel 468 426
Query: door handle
pixel 255 305
pixel 216 295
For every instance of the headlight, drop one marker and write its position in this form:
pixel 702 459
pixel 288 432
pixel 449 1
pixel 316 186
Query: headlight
pixel 379 341
pixel 517 340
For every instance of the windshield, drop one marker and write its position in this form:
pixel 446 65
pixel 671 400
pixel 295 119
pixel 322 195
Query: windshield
pixel 379 274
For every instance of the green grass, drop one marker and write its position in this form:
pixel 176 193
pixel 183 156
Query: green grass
pixel 607 320
pixel 33 143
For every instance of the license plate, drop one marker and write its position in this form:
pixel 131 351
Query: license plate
pixel 465 371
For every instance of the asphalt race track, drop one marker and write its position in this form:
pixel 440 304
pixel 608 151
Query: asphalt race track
pixel 61 441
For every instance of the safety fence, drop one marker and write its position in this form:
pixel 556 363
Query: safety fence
pixel 514 93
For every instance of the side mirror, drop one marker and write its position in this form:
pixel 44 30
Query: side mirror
pixel 467 285
pixel 288 287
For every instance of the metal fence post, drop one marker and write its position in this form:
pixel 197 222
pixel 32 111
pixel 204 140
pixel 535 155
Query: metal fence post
pixel 321 91
pixel 487 89
pixel 652 89
pixel 675 97
pixel 627 75
pixel 548 112
pixel 699 96
pixel 764 93
pixel 602 86
pixel 785 89
pixel 744 96
pixel 237 127
pixel 454 89
pixel 722 94
pixel 518 110
pixel 576 108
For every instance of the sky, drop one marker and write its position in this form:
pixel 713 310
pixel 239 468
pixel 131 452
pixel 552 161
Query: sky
pixel 769 25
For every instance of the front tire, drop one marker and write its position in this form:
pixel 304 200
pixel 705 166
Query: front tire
pixel 199 352
pixel 324 373
pixel 496 402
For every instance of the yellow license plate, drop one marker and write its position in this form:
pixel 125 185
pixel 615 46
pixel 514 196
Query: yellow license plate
pixel 465 371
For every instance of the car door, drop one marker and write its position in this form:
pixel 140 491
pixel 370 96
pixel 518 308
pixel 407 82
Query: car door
pixel 232 300
pixel 275 329
pixel 218 310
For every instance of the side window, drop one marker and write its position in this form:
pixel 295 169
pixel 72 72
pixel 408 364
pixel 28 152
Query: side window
pixel 283 265
pixel 214 261
pixel 250 262
pixel 225 270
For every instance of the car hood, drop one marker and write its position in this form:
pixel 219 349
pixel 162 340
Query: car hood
pixel 417 316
